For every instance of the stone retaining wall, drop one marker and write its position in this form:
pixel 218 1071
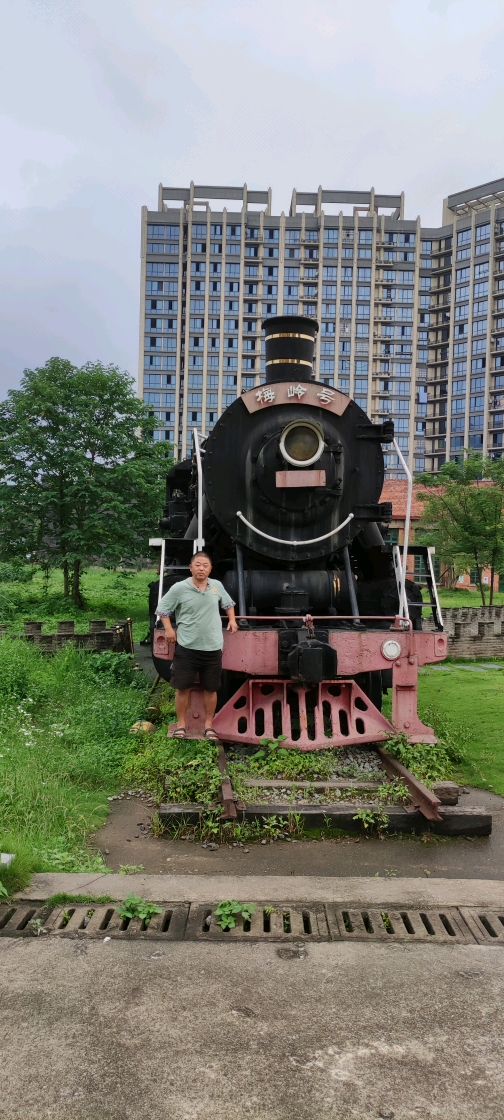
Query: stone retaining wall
pixel 100 636
pixel 474 631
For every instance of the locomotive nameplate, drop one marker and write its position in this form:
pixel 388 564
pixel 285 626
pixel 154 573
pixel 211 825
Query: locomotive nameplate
pixel 286 479
pixel 295 392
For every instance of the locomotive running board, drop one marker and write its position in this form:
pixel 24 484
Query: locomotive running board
pixel 331 714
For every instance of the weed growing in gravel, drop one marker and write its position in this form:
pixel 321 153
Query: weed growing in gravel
pixel 184 769
pixel 428 762
pixel 371 820
pixel 393 793
pixel 274 761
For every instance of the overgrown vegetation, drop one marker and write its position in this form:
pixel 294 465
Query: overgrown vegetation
pixel 114 593
pixel 273 760
pixel 185 769
pixel 65 738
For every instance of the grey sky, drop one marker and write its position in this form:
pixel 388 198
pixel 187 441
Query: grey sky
pixel 100 100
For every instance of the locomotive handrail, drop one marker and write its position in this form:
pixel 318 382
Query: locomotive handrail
pixel 403 602
pixel 316 617
pixel 200 541
pixel 295 544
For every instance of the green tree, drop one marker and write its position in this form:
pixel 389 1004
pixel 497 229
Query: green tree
pixel 81 478
pixel 464 515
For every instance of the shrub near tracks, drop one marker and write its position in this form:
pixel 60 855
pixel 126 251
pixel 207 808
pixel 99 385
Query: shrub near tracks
pixel 65 734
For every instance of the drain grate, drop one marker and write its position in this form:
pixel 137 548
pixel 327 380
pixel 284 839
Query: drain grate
pixel 397 925
pixel 280 921
pixel 486 925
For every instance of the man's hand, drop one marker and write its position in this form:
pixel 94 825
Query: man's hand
pixel 232 624
pixel 170 633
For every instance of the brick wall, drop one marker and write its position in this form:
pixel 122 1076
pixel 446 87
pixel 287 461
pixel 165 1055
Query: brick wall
pixel 100 636
pixel 474 631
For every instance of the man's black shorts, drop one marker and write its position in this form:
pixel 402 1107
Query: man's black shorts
pixel 187 662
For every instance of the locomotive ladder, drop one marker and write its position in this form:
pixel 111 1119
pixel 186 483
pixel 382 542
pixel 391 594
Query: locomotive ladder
pixel 426 552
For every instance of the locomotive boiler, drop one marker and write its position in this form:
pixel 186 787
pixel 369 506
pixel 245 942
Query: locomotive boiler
pixel 284 494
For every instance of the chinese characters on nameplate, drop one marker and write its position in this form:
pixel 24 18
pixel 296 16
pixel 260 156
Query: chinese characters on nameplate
pixel 326 396
pixel 292 392
pixel 266 395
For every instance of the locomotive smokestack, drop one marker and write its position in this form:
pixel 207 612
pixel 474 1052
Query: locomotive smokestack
pixel 290 340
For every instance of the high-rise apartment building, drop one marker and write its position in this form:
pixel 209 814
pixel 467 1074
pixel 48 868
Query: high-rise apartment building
pixel 411 319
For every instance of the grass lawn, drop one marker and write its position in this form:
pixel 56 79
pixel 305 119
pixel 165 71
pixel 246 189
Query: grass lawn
pixel 112 595
pixel 64 742
pixel 465 598
pixel 474 703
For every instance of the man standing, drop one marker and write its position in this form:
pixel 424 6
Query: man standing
pixel 199 638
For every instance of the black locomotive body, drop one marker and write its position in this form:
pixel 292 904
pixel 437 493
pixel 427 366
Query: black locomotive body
pixel 287 502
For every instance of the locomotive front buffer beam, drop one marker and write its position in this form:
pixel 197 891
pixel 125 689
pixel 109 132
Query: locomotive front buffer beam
pixel 329 713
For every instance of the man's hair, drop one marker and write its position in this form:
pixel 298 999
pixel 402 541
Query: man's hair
pixel 200 552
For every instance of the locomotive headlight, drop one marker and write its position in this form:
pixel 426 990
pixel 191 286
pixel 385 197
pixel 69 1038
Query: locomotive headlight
pixel 391 649
pixel 301 443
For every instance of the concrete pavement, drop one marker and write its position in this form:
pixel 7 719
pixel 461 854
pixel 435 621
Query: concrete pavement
pixel 261 888
pixel 117 1031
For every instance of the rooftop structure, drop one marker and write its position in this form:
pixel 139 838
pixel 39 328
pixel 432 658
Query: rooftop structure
pixel 411 318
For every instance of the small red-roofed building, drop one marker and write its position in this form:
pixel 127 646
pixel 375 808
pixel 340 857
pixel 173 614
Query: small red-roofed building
pixel 395 490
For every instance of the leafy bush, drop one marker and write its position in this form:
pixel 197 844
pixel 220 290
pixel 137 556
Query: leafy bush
pixel 16 572
pixel 228 911
pixel 134 907
pixel 185 768
pixel 453 736
pixel 430 763
pixel 115 668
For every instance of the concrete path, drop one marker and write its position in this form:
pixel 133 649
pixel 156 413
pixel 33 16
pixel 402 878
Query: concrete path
pixel 119 1031
pixel 261 888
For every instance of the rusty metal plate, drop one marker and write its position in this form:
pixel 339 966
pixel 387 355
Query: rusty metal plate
pixel 291 479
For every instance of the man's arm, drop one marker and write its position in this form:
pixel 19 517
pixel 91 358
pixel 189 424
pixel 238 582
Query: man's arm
pixel 232 624
pixel 166 606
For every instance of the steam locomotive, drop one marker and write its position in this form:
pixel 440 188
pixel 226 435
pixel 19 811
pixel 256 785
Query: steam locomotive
pixel 285 496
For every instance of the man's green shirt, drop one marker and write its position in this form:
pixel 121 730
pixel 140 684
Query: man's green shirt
pixel 198 620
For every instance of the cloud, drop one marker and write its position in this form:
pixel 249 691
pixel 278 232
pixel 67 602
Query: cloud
pixel 100 102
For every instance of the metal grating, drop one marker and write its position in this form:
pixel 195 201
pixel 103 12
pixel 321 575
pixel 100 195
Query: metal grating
pixel 275 922
pixel 487 926
pixel 397 925
pixel 278 921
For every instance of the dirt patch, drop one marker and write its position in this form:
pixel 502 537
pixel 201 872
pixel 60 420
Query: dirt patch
pixel 125 839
